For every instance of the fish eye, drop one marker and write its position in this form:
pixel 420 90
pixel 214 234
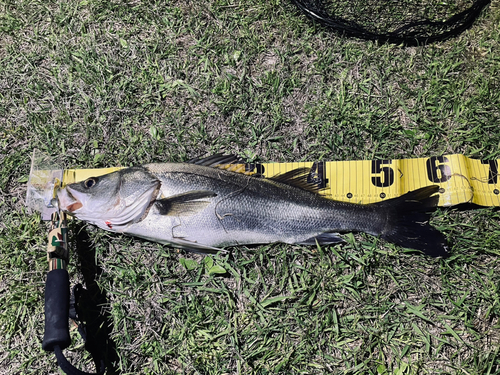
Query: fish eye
pixel 90 182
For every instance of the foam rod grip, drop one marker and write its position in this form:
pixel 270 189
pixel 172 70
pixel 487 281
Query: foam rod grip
pixel 56 310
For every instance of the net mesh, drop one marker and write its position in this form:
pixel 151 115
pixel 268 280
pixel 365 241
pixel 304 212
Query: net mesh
pixel 409 22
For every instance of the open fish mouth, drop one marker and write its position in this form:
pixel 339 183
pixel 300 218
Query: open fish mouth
pixel 67 201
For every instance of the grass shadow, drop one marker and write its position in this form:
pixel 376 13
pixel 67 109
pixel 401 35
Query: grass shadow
pixel 98 319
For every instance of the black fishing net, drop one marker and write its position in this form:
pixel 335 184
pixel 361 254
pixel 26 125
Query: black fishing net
pixel 409 22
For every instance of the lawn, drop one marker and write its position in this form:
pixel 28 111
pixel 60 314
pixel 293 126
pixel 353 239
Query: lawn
pixel 120 83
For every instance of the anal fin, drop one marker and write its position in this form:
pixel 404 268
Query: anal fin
pixel 322 239
pixel 193 247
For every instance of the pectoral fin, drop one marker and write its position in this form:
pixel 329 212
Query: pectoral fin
pixel 184 204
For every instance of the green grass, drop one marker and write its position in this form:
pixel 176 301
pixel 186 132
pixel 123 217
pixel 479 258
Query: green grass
pixel 125 83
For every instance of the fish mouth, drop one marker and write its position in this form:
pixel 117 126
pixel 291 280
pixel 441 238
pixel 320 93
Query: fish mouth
pixel 67 201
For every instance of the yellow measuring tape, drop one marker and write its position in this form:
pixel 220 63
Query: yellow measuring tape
pixel 461 179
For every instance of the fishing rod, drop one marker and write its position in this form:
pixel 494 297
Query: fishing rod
pixel 60 306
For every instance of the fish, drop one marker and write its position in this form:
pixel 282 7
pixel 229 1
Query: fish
pixel 209 204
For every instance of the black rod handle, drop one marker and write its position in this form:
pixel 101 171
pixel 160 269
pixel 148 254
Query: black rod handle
pixel 56 310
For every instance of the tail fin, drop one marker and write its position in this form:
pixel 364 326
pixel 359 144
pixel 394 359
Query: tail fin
pixel 408 222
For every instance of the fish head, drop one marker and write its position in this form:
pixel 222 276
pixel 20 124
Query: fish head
pixel 112 201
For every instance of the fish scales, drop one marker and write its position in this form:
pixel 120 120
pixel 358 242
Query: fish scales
pixel 252 210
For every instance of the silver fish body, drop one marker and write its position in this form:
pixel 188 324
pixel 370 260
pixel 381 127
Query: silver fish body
pixel 200 207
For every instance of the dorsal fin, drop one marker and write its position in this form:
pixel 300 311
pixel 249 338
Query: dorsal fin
pixel 297 178
pixel 228 162
pixel 215 160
